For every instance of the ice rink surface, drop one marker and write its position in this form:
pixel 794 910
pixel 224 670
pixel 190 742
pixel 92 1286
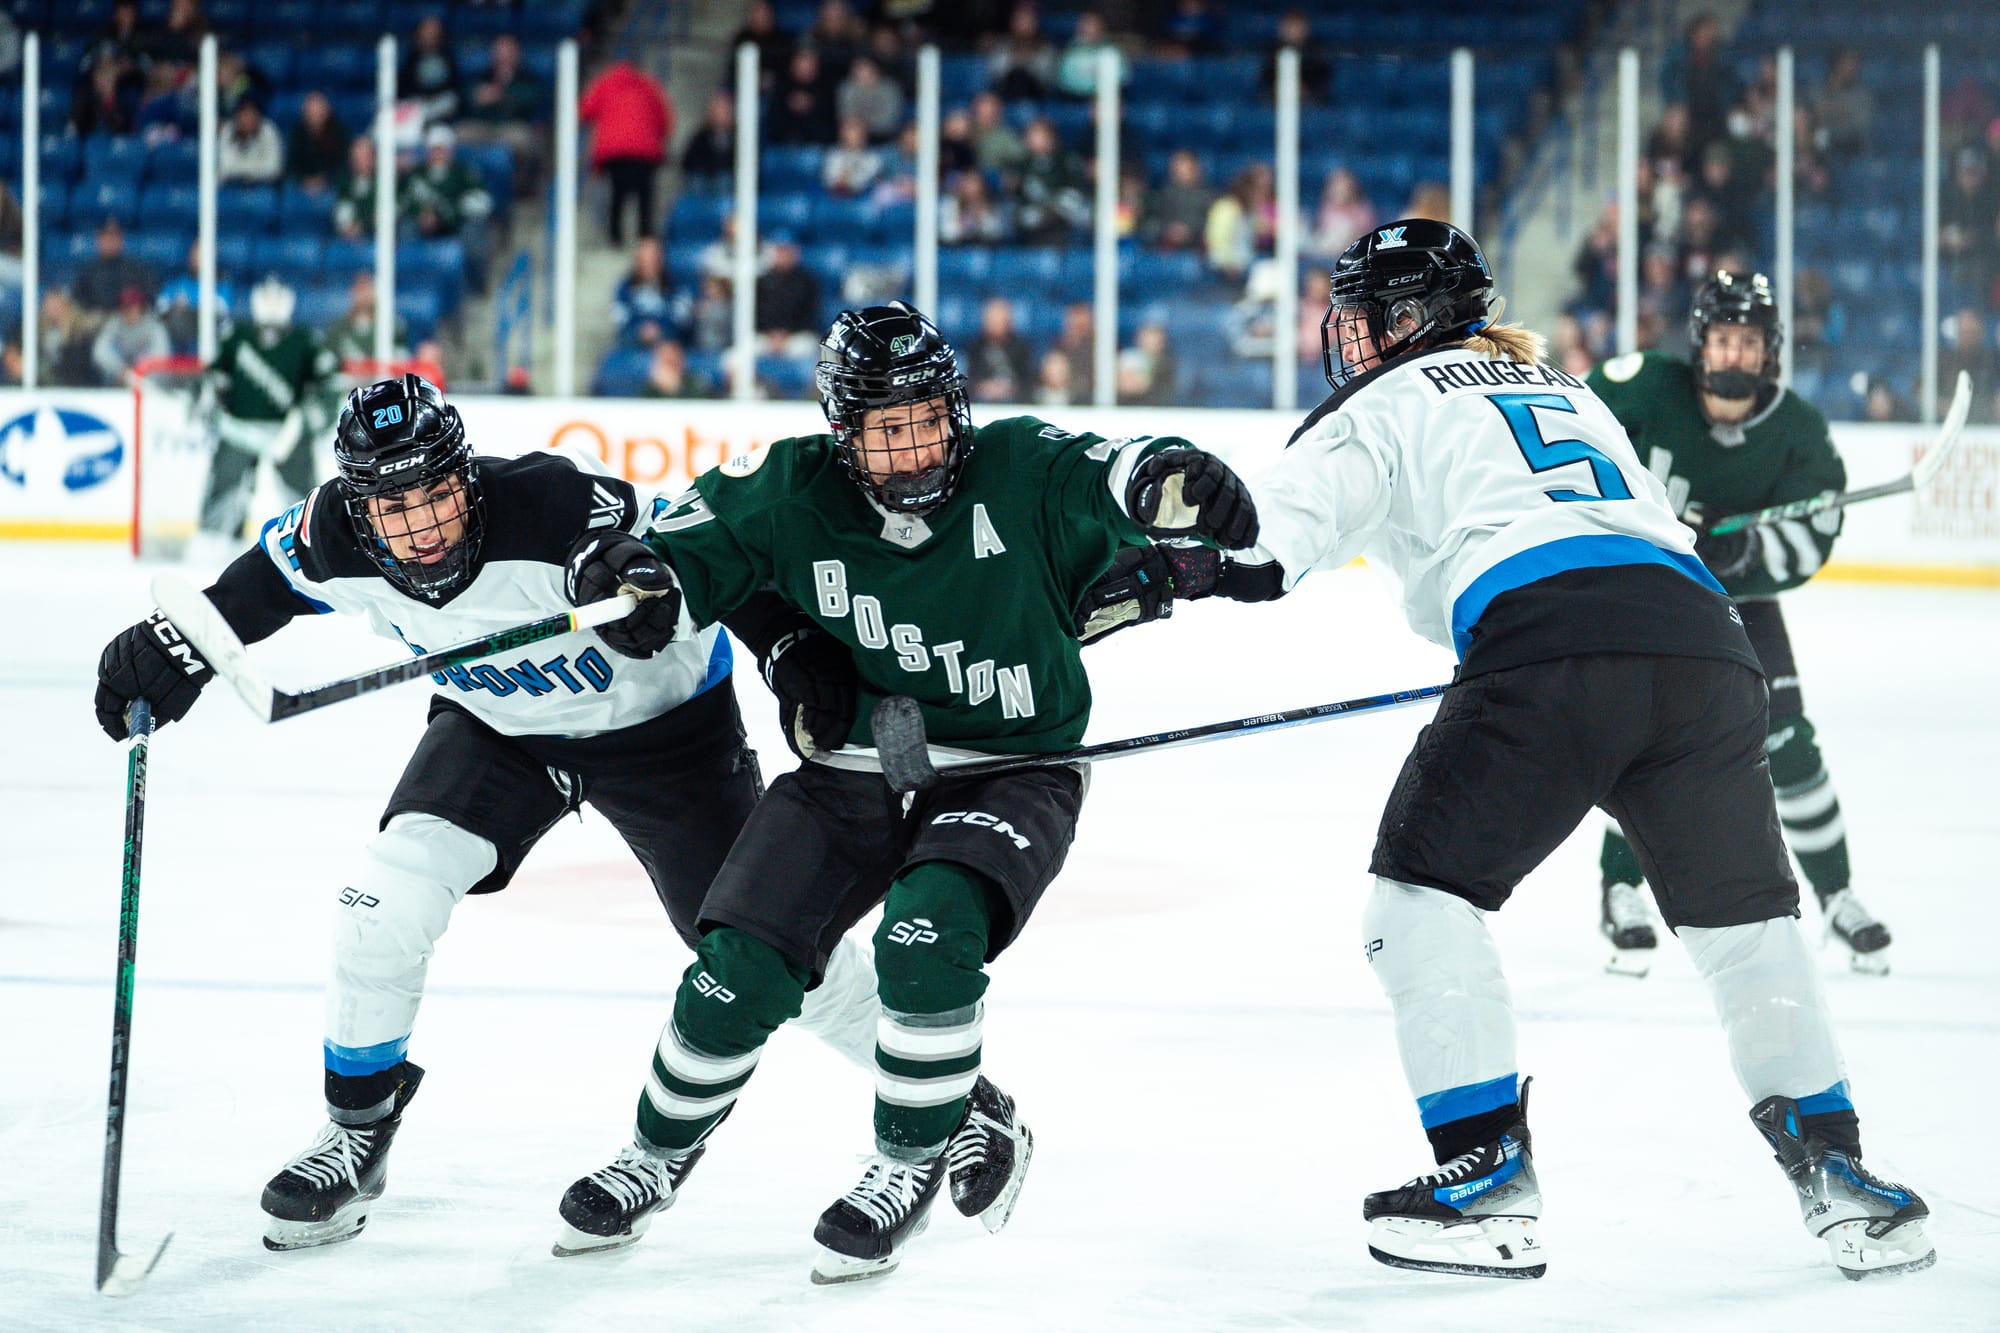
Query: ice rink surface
pixel 1189 1025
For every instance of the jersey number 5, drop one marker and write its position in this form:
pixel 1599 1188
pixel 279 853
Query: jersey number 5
pixel 1542 455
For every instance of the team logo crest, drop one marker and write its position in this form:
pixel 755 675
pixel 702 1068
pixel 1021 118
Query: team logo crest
pixel 743 464
pixel 1390 238
pixel 903 344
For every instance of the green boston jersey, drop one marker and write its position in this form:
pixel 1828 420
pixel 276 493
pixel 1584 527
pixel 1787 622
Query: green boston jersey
pixel 262 381
pixel 966 609
pixel 1782 453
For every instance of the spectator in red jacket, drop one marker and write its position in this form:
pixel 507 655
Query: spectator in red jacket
pixel 632 120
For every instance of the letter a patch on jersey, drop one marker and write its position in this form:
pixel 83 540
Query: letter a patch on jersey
pixel 985 541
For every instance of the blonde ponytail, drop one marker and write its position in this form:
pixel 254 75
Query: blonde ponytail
pixel 1516 342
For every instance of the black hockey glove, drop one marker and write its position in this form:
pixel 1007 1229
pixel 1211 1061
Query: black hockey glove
pixel 1142 585
pixel 1730 554
pixel 1188 493
pixel 149 661
pixel 813 675
pixel 603 564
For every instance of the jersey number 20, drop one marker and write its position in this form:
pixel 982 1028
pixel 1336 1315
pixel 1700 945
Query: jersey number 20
pixel 1542 455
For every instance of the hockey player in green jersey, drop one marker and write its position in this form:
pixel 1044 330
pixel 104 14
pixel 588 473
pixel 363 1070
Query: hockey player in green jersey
pixel 272 385
pixel 1726 439
pixel 947 559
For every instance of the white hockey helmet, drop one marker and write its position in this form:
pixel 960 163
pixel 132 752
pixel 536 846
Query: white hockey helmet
pixel 272 303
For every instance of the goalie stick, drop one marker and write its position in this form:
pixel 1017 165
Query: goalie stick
pixel 118 1274
pixel 1922 475
pixel 904 750
pixel 203 626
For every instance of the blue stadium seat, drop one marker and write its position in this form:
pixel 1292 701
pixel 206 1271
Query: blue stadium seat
pixel 785 212
pixel 282 20
pixel 894 222
pixel 697 217
pixel 174 162
pixel 235 254
pixel 320 304
pixel 420 308
pixel 336 65
pixel 166 251
pixel 550 20
pixel 61 156
pixel 1019 270
pixel 171 205
pixel 789 167
pixel 248 207
pixel 304 209
pixel 272 59
pixel 622 373
pixel 344 258
pixel 353 19
pixel 289 254
pixel 787 377
pixel 117 158
pixel 91 201
pixel 54 207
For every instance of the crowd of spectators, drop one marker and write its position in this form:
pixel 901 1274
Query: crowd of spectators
pixel 846 86
pixel 140 78
pixel 1706 179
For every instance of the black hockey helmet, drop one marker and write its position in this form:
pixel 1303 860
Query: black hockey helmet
pixel 886 356
pixel 1406 286
pixel 399 435
pixel 1735 298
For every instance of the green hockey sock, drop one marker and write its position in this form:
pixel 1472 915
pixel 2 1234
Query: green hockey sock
pixel 736 993
pixel 929 956
pixel 1616 864
pixel 1808 806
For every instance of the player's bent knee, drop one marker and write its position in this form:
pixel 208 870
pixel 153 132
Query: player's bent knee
pixel 414 873
pixel 930 949
pixel 1416 936
pixel 736 993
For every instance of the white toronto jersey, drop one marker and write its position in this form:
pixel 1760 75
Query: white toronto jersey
pixel 573 685
pixel 1465 476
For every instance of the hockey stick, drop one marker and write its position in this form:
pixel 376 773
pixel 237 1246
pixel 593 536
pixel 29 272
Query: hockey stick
pixel 203 626
pixel 118 1274
pixel 1922 475
pixel 904 751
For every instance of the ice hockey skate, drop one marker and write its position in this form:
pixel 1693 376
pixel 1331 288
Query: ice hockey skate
pixel 863 1234
pixel 1866 939
pixel 1871 1226
pixel 988 1156
pixel 1629 926
pixel 1475 1215
pixel 610 1208
pixel 323 1195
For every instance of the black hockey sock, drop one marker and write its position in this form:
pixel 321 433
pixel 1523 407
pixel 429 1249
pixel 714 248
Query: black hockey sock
pixel 362 1099
pixel 1454 1137
pixel 1836 1129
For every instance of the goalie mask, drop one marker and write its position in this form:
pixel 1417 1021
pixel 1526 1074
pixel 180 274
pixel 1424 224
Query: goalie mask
pixel 895 398
pixel 1402 288
pixel 410 490
pixel 271 306
pixel 1735 298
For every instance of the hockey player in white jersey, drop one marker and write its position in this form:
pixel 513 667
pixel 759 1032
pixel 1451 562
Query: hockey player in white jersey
pixel 434 545
pixel 1600 665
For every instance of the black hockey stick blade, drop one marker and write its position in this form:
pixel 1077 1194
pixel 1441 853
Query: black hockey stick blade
pixel 904 752
pixel 900 744
pixel 203 626
pixel 1920 476
pixel 118 1274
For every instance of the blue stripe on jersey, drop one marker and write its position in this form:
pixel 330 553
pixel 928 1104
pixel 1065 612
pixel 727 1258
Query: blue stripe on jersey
pixel 1552 558
pixel 319 607
pixel 353 1061
pixel 1821 1103
pixel 720 662
pixel 1441 1108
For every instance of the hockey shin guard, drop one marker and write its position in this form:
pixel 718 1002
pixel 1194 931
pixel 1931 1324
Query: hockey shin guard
pixel 1808 806
pixel 843 1009
pixel 929 954
pixel 1617 864
pixel 417 869
pixel 1767 993
pixel 1454 1014
pixel 733 996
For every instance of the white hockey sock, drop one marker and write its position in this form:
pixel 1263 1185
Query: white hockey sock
pixel 1767 993
pixel 844 1008
pixel 1454 1014
pixel 417 870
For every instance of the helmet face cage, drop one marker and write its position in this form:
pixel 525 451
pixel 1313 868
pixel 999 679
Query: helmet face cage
pixel 407 481
pixel 1735 298
pixel 887 357
pixel 1400 289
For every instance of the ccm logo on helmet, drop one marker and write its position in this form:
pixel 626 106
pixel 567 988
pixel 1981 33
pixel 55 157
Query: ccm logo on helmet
pixel 984 820
pixel 399 465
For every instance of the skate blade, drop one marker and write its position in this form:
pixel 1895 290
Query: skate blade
pixel 1503 1247
pixel 994 1216
pixel 1869 964
pixel 573 1242
pixel 1634 963
pixel 1903 1249
pixel 832 1267
pixel 345 1224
